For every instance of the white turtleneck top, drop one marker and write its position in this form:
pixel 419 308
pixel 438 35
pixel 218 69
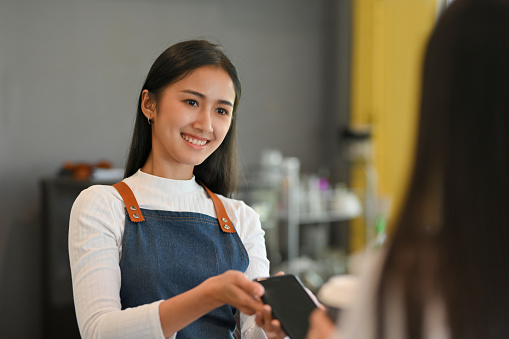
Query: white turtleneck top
pixel 95 246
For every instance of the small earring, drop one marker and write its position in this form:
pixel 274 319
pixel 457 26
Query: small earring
pixel 149 121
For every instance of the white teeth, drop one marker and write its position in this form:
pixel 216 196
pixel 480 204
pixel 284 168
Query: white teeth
pixel 194 141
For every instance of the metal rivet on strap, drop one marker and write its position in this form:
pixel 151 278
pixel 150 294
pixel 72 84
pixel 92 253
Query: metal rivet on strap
pixel 226 227
pixel 224 219
pixel 135 215
pixel 133 208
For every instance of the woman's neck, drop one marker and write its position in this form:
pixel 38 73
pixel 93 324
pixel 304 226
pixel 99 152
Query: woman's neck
pixel 163 170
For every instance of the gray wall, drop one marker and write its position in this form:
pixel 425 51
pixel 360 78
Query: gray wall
pixel 70 72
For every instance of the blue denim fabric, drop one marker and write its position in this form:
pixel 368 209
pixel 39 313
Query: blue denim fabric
pixel 172 252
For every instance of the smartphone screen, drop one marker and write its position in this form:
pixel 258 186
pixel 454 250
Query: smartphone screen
pixel 290 302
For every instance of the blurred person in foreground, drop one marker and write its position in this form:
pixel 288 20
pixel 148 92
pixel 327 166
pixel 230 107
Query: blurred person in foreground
pixel 444 273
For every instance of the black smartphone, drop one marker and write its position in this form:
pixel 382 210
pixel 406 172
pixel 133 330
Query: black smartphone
pixel 290 302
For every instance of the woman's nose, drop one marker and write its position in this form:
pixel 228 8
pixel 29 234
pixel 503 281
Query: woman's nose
pixel 203 121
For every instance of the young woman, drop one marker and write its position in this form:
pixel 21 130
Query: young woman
pixel 444 274
pixel 159 255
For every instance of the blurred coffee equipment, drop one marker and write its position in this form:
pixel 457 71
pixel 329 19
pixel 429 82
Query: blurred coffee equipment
pixel 298 211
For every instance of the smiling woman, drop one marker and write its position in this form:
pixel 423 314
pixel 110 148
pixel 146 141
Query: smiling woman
pixel 174 67
pixel 159 254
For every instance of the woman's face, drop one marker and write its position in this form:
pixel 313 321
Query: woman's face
pixel 190 121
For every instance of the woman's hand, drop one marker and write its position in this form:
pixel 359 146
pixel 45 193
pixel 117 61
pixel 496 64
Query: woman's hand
pixel 234 288
pixel 266 322
pixel 231 287
pixel 320 325
pixel 271 326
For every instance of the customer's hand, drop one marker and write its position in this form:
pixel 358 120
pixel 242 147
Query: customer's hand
pixel 320 325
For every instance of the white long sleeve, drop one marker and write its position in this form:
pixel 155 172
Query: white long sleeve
pixel 95 245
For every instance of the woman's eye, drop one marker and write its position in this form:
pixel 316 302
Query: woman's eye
pixel 192 102
pixel 222 111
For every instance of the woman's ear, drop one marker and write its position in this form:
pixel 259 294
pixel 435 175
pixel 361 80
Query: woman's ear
pixel 148 104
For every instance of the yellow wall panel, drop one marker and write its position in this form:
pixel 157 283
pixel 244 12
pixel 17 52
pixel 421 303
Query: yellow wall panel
pixel 388 41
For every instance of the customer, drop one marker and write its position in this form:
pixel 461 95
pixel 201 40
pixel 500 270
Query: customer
pixel 148 257
pixel 444 274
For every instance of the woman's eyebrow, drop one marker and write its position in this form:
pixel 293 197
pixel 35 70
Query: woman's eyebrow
pixel 225 102
pixel 202 96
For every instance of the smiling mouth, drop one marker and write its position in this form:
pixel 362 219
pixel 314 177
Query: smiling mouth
pixel 194 141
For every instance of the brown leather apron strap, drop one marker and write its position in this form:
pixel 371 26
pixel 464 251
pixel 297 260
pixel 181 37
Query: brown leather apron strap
pixel 222 216
pixel 133 209
pixel 130 202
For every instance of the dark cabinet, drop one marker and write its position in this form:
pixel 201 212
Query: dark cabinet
pixel 58 195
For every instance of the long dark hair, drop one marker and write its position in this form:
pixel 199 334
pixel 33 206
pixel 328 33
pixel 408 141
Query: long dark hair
pixel 219 171
pixel 450 241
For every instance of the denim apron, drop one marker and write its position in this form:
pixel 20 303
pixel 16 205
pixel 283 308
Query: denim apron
pixel 167 253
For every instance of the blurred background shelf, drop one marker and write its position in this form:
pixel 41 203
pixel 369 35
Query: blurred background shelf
pixel 305 218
